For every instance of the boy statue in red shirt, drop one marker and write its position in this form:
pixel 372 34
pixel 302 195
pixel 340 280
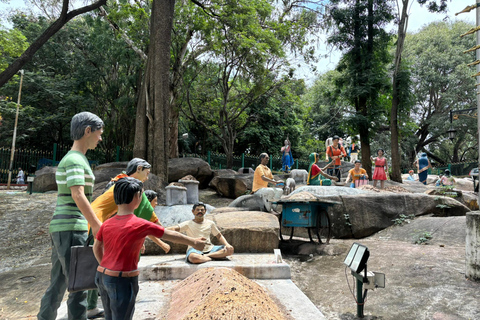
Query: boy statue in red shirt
pixel 117 247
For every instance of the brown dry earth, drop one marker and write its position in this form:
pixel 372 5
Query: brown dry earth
pixel 423 281
pixel 222 293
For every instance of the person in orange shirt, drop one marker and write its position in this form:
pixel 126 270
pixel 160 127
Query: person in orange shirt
pixel 336 152
pixel 263 175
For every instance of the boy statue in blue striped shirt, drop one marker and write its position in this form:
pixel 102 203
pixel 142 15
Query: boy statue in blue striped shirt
pixel 73 213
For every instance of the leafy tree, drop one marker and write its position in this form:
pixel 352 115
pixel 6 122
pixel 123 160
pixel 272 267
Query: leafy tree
pixel 441 82
pixel 327 111
pixel 359 33
pixel 399 77
pixel 12 44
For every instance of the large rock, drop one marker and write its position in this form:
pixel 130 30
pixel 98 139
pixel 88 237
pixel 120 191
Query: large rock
pixel 107 171
pixel 362 214
pixel 45 180
pixel 464 184
pixel 230 186
pixel 180 167
pixel 247 231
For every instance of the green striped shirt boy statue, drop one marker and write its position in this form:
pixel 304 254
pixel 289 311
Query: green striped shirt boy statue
pixel 73 213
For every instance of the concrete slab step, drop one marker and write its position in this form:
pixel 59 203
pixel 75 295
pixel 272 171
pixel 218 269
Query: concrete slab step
pixel 252 266
pixel 159 274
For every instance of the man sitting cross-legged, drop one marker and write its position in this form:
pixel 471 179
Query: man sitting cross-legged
pixel 201 227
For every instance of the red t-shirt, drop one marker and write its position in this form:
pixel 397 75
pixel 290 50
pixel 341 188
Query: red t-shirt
pixel 122 238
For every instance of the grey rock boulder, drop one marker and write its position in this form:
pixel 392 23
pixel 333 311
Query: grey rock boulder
pixel 251 202
pixel 232 186
pixel 107 171
pixel 45 180
pixel 360 215
pixel 181 167
pixel 249 231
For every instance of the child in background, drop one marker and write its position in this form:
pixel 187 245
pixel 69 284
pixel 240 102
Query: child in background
pixel 152 197
pixel 117 247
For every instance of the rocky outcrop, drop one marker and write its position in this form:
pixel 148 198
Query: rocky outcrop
pixel 360 215
pixel 45 180
pixel 231 186
pixel 249 231
pixel 108 171
pixel 180 167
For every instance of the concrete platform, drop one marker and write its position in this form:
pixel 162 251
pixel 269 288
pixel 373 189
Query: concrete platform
pixel 159 274
pixel 252 266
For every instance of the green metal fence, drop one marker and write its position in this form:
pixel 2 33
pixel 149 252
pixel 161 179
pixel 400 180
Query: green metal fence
pixel 219 161
pixel 30 160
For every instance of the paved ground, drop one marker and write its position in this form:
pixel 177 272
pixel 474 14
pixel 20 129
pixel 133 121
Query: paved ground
pixel 423 281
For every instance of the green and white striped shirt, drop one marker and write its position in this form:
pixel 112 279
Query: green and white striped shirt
pixel 73 170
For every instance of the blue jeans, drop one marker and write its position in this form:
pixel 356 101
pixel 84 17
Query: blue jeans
pixel 192 250
pixel 118 296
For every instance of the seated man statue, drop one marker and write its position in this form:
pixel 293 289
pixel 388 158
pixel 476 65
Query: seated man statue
pixel 263 175
pixel 201 227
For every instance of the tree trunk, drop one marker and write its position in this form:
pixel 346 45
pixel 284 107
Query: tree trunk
pixel 65 16
pixel 396 174
pixel 173 135
pixel 152 125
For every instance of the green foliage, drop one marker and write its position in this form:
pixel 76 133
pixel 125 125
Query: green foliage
pixel 441 82
pixel 423 238
pixel 359 31
pixel 12 44
pixel 83 68
pixel 402 219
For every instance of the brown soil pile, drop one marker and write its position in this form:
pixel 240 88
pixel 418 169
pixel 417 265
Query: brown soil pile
pixel 221 293
pixel 176 184
pixel 304 195
pixel 189 177
pixel 394 189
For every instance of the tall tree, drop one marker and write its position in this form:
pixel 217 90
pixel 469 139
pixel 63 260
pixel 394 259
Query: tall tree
pixel 441 82
pixel 151 133
pixel 360 33
pixel 402 18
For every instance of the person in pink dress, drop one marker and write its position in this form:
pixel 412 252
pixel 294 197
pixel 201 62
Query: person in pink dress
pixel 381 167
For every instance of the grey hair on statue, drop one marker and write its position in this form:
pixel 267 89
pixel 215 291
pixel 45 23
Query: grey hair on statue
pixel 83 120
pixel 125 189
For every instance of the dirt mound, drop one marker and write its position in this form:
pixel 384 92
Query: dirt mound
pixel 394 189
pixel 189 177
pixel 304 195
pixel 221 293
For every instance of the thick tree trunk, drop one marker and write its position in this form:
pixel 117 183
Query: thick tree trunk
pixel 65 16
pixel 396 174
pixel 153 113
pixel 173 133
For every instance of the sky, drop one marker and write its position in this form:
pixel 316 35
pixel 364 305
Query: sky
pixel 419 17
